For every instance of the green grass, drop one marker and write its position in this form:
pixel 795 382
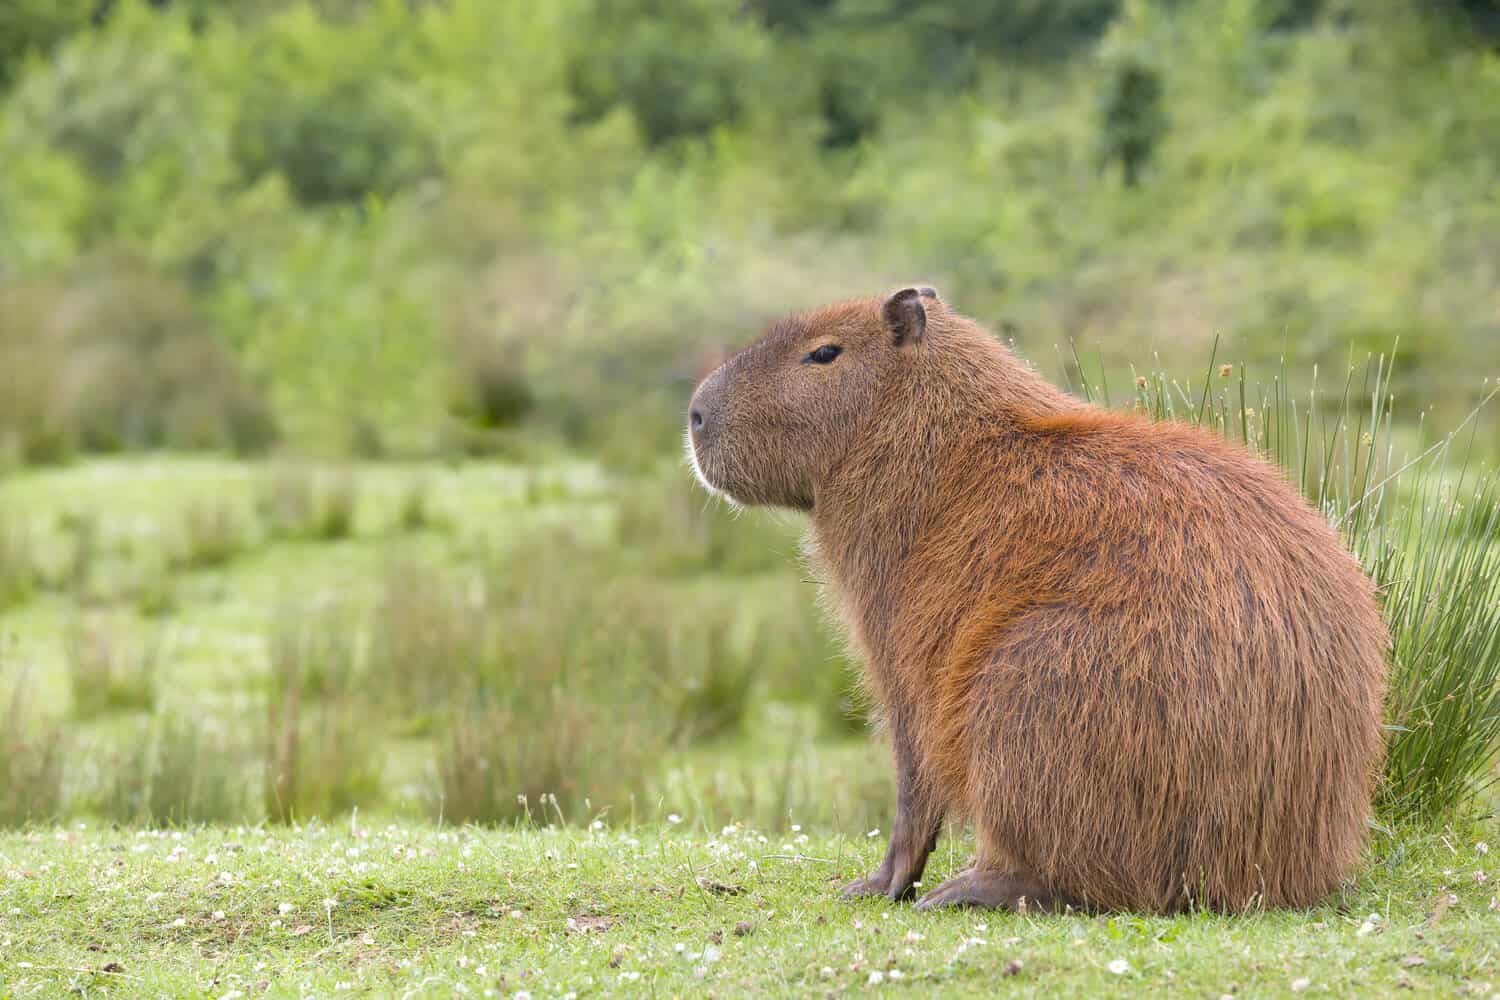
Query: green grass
pixel 508 641
pixel 670 910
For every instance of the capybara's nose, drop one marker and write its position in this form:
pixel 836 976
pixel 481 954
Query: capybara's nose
pixel 702 409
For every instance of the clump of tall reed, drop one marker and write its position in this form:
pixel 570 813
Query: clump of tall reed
pixel 18 573
pixel 31 757
pixel 321 735
pixel 555 703
pixel 1422 513
pixel 213 534
pixel 305 503
pixel 176 769
pixel 110 670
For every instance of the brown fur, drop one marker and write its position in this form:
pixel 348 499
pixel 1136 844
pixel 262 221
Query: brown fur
pixel 1129 651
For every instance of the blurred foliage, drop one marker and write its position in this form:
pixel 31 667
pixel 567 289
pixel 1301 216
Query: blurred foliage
pixel 115 355
pixel 319 746
pixel 173 769
pixel 379 227
pixel 107 673
pixel 18 575
pixel 324 105
pixel 33 27
pixel 1133 120
pixel 683 67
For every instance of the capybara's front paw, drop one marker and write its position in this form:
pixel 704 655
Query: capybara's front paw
pixel 878 884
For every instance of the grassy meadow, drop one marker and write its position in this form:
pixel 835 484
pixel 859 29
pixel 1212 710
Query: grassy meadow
pixel 674 910
pixel 360 626
pixel 205 640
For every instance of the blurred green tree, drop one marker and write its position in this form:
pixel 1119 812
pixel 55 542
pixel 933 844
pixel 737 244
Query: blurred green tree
pixel 1133 118
pixel 35 26
pixel 957 37
pixel 792 15
pixel 112 99
pixel 327 107
pixel 682 68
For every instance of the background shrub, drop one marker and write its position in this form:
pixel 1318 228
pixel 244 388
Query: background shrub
pixel 31 766
pixel 320 105
pixel 175 770
pixel 681 68
pixel 321 757
pixel 110 671
pixel 33 27
pixel 18 575
pixel 119 358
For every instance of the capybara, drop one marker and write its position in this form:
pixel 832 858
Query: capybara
pixel 1129 651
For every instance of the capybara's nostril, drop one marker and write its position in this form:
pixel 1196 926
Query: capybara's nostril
pixel 697 420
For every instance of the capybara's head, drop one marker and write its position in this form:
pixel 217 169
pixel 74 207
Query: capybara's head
pixel 768 425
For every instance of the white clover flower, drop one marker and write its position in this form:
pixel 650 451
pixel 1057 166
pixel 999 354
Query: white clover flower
pixel 1119 966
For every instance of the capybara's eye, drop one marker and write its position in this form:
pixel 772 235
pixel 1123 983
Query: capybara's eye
pixel 823 355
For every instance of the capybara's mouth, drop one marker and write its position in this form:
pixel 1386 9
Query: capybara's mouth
pixel 703 465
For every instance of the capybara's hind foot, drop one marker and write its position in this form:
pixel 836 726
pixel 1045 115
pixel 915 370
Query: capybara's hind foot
pixel 993 890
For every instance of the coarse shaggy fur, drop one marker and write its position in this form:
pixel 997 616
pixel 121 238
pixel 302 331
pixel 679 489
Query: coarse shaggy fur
pixel 1129 651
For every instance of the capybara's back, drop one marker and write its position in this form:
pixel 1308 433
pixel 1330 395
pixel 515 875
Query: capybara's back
pixel 1167 689
pixel 1129 651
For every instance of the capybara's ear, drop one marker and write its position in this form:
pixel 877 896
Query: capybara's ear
pixel 928 292
pixel 904 317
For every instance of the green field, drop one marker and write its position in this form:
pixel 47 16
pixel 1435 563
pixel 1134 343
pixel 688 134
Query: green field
pixel 674 910
pixel 168 589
